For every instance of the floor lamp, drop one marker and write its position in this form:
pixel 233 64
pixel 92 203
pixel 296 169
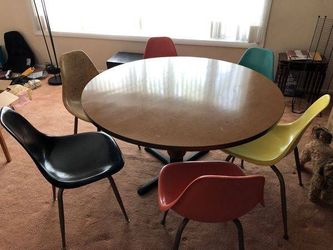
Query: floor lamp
pixel 51 69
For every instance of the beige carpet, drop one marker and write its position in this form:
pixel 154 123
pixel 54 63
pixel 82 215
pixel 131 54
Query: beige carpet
pixel 29 217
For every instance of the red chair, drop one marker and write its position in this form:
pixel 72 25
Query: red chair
pixel 208 192
pixel 159 47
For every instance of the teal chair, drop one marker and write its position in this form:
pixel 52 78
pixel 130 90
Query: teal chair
pixel 260 60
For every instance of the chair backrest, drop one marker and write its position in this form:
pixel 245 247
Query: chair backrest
pixel 260 60
pixel 209 191
pixel 298 127
pixel 33 141
pixel 159 47
pixel 76 71
pixel 214 198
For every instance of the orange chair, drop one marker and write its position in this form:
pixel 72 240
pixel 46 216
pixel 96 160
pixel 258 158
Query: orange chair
pixel 159 47
pixel 208 192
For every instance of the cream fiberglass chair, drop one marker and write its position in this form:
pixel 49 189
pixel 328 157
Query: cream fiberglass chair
pixel 269 149
pixel 76 71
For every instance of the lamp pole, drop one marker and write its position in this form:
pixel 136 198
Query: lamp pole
pixel 55 70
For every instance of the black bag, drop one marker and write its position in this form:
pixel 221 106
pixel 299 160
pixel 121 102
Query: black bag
pixel 20 55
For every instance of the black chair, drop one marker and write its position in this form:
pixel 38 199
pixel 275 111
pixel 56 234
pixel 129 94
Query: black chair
pixel 67 161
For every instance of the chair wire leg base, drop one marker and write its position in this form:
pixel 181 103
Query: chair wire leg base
pixel 283 201
pixel 242 164
pixel 61 217
pixel 228 158
pixel 179 233
pixel 232 158
pixel 116 192
pixel 298 166
pixel 240 234
pixel 164 217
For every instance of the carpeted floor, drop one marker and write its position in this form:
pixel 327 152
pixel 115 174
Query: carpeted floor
pixel 29 217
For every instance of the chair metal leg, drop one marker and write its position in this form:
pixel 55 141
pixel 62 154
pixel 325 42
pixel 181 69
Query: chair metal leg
pixel 179 233
pixel 242 164
pixel 61 217
pixel 240 234
pixel 116 192
pixel 164 217
pixel 228 158
pixel 54 189
pixel 298 166
pixel 283 200
pixel 76 121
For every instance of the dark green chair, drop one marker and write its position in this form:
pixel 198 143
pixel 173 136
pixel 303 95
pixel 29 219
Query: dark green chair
pixel 260 60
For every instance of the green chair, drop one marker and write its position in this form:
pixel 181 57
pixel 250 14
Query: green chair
pixel 260 60
pixel 277 143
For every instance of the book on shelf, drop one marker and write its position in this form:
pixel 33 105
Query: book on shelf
pixel 295 55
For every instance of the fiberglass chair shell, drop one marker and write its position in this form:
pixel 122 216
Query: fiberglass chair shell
pixel 76 71
pixel 67 161
pixel 260 60
pixel 277 143
pixel 208 192
pixel 159 47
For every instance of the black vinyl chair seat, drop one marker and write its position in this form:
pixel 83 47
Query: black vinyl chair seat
pixel 93 156
pixel 67 161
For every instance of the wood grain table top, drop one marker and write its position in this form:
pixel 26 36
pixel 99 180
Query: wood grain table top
pixel 183 103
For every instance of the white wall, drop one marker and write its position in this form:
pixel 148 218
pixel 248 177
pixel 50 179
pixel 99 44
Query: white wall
pixel 290 26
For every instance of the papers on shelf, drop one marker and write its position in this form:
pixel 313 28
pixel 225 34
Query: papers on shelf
pixel 315 56
pixel 303 55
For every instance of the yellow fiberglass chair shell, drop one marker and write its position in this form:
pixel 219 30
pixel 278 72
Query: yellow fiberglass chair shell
pixel 76 71
pixel 276 144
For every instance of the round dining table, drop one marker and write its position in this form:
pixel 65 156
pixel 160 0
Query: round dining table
pixel 182 104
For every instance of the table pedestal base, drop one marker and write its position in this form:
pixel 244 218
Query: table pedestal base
pixel 173 156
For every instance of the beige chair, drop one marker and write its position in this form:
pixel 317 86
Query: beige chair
pixel 76 71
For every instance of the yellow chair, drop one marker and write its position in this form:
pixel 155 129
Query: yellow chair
pixel 276 144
